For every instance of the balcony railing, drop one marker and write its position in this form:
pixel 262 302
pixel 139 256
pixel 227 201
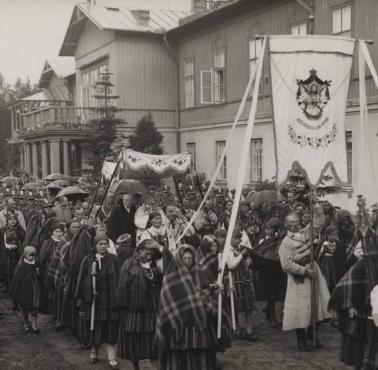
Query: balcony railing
pixel 57 118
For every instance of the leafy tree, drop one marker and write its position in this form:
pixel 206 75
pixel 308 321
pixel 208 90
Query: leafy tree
pixel 147 138
pixel 9 94
pixel 104 141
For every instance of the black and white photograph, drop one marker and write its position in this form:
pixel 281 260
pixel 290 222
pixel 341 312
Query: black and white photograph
pixel 188 184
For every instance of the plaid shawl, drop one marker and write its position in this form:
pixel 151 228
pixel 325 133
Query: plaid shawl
pixel 351 290
pixel 207 260
pixel 182 302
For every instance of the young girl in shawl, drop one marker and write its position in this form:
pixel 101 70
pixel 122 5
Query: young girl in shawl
pixel 139 291
pixel 240 263
pixel 11 247
pixel 104 267
pixel 185 333
pixel 46 254
pixel 25 289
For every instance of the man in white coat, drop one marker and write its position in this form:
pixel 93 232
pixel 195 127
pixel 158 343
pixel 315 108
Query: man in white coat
pixel 294 254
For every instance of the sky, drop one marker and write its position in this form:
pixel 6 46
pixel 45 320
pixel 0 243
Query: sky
pixel 32 31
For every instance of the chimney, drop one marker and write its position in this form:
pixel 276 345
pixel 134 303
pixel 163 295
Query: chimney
pixel 202 5
pixel 198 6
pixel 142 16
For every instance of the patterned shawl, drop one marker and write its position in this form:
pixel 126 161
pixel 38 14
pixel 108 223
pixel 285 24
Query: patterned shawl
pixel 182 302
pixel 207 260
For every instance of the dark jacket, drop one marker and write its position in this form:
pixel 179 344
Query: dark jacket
pixel 121 222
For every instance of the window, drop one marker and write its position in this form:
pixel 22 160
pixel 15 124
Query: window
pixel 89 89
pixel 191 147
pixel 342 21
pixel 299 29
pixel 220 145
pixel 219 76
pixel 189 83
pixel 255 46
pixel 256 160
pixel 348 139
pixel 213 89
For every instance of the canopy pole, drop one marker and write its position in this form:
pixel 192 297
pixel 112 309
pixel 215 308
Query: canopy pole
pixel 107 188
pixel 95 195
pixel 313 281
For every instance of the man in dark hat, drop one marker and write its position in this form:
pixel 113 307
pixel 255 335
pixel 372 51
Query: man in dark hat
pixel 62 211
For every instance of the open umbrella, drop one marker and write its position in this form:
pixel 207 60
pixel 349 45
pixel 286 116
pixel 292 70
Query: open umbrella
pixel 130 186
pixel 72 193
pixel 61 183
pixel 265 196
pixel 10 180
pixel 57 176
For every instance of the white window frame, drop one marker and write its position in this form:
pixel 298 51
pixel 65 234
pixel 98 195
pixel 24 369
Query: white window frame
pixel 191 148
pixel 88 87
pixel 211 86
pixel 342 26
pixel 349 152
pixel 219 148
pixel 299 29
pixel 189 83
pixel 254 50
pixel 256 160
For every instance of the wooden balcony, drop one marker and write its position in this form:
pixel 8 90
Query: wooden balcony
pixel 56 118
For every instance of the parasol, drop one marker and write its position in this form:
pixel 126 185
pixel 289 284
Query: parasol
pixel 72 193
pixel 61 183
pixel 265 196
pixel 130 186
pixel 10 180
pixel 57 176
pixel 136 165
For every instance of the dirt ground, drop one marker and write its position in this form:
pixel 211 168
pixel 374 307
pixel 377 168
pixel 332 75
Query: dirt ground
pixel 51 350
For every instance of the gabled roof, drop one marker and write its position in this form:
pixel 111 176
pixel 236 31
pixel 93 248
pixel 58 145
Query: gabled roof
pixel 62 67
pixel 118 17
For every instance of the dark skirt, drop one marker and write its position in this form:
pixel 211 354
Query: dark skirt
pixel 12 258
pixel 271 287
pixel 189 360
pixel 244 292
pixel 327 265
pixel 136 335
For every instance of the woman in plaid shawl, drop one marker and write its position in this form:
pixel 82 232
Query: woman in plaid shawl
pixel 138 298
pixel 185 331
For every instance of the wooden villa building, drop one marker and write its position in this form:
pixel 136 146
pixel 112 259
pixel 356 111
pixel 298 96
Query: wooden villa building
pixel 189 70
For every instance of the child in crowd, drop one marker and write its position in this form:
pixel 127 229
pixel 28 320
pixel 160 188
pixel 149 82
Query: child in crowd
pixel 25 288
pixel 240 263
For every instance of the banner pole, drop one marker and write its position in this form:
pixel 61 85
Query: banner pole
pixel 313 281
pixel 243 163
pixel 95 195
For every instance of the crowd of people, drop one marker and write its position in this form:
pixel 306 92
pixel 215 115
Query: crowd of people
pixel 115 275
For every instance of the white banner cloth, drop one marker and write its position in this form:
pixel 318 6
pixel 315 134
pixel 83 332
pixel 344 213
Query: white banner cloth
pixel 310 82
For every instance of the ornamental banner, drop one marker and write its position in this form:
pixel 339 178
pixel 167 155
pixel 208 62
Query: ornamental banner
pixel 310 82
pixel 136 165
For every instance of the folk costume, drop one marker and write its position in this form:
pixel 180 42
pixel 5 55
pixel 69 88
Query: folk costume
pixel 185 333
pixel 12 237
pixel 25 288
pixel 106 318
pixel 359 336
pixel 139 291
pixel 271 282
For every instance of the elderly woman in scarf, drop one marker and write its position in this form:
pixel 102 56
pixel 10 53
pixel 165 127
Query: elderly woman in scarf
pixel 139 291
pixel 185 332
pixel 104 267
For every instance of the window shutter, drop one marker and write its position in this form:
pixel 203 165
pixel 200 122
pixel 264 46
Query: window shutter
pixel 207 87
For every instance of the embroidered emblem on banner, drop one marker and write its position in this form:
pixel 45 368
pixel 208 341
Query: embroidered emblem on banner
pixel 313 95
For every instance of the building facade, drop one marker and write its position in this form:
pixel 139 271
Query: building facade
pixel 190 70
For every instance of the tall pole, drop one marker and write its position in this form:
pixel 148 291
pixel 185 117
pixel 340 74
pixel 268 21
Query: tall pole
pixel 313 280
